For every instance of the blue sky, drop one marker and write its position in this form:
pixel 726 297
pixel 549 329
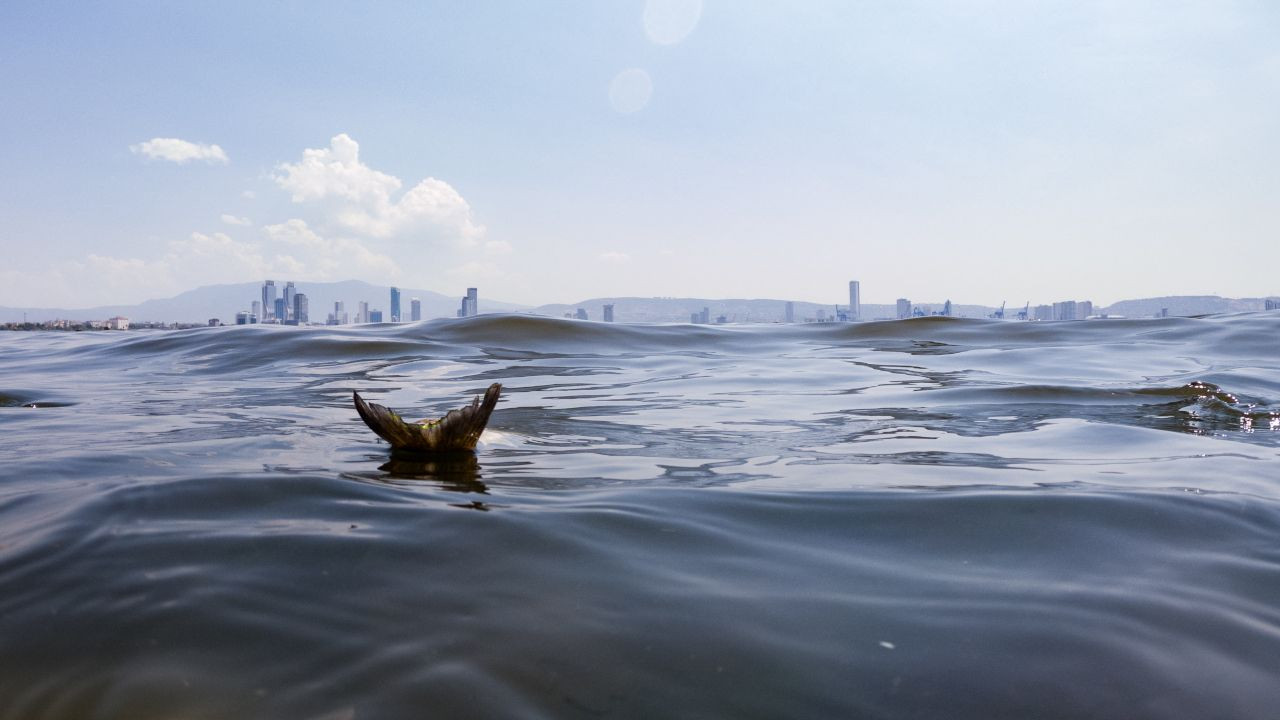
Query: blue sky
pixel 550 152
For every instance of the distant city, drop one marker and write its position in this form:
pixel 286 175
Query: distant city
pixel 293 308
pixel 284 304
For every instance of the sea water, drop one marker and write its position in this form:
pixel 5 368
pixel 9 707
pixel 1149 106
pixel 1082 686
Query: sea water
pixel 931 518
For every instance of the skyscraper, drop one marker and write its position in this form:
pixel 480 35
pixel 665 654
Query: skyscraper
pixel 268 299
pixel 362 315
pixel 278 312
pixel 395 304
pixel 608 313
pixel 301 315
pixel 473 301
pixel 904 308
pixel 946 308
pixel 257 308
pixel 339 313
pixel 855 301
pixel 289 292
pixel 415 309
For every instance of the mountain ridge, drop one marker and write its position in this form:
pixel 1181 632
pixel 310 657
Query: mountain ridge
pixel 198 305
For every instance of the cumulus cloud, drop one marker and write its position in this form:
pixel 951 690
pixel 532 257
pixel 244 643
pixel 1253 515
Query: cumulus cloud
pixel 180 151
pixel 233 220
pixel 362 200
pixel 616 258
pixel 329 258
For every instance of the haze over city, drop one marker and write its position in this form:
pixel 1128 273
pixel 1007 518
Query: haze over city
pixel 979 152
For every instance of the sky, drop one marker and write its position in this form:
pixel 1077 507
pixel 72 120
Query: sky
pixel 556 151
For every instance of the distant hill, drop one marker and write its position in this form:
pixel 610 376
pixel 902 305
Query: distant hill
pixel 224 301
pixel 1185 305
pixel 665 309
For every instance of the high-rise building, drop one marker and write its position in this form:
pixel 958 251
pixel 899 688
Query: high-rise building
pixel 704 317
pixel 268 299
pixel 1044 312
pixel 693 318
pixel 362 315
pixel 257 308
pixel 279 313
pixel 855 301
pixel 375 316
pixel 415 309
pixel 242 317
pixel 339 313
pixel 470 304
pixel 289 292
pixel 301 314
pixel 904 308
pixel 395 304
pixel 790 312
pixel 1084 309
pixel 608 313
pixel 946 308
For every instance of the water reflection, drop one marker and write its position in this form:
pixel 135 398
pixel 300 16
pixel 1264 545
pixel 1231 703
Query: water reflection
pixel 459 472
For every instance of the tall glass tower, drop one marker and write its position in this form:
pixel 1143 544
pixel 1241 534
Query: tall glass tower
pixel 268 299
pixel 855 300
pixel 395 304
pixel 289 292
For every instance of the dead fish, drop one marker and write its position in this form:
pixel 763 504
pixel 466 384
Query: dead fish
pixel 458 430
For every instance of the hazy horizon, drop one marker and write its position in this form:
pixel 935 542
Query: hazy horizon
pixel 927 301
pixel 671 148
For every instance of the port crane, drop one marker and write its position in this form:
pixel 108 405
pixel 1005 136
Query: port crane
pixel 999 314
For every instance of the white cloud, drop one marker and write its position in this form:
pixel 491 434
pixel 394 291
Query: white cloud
pixel 180 151
pixel 290 249
pixel 329 259
pixel 616 258
pixel 497 247
pixel 233 220
pixel 360 199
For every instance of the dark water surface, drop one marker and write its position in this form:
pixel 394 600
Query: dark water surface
pixel 921 519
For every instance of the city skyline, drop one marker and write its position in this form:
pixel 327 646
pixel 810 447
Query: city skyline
pixel 262 292
pixel 1090 156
